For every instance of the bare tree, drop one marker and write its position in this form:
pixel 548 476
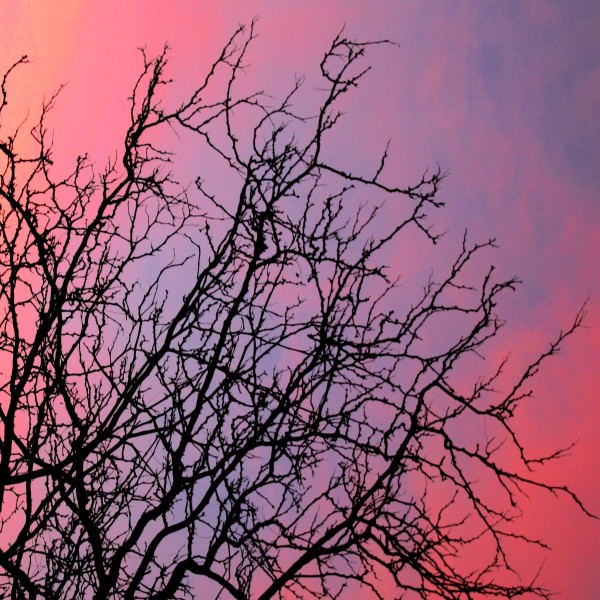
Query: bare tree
pixel 227 391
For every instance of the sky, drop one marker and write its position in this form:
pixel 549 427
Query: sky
pixel 505 96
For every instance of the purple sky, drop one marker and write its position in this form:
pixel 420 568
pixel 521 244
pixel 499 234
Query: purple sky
pixel 504 95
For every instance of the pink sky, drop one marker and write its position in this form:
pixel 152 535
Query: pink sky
pixel 506 96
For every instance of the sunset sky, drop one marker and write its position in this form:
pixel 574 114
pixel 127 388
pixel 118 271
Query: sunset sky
pixel 505 96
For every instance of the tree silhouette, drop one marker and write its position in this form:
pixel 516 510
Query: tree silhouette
pixel 227 391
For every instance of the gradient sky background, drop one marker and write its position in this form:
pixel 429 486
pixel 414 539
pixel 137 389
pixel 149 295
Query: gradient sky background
pixel 505 95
